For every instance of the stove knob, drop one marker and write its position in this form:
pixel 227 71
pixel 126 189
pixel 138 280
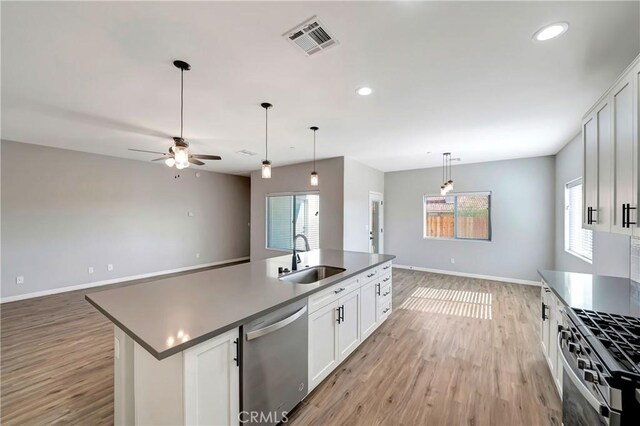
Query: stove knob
pixel 574 348
pixel 591 376
pixel 583 363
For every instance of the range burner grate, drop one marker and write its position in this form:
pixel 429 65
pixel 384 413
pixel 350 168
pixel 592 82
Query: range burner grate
pixel 618 333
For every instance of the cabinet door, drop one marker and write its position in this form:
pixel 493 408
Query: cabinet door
pixel 368 305
pixel 559 367
pixel 211 382
pixel 323 343
pixel 553 334
pixel 349 327
pixel 636 155
pixel 544 333
pixel 602 214
pixel 623 152
pixel 590 181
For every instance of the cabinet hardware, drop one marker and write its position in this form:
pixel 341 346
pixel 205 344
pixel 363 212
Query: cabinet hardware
pixel 342 313
pixel 386 279
pixel 378 289
pixel 339 290
pixel 237 358
pixel 386 310
pixel 338 309
pixel 371 274
pixel 590 219
pixel 626 215
pixel 386 294
pixel 544 312
pixel 386 267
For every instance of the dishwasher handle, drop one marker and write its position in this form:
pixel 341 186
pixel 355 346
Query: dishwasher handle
pixel 276 326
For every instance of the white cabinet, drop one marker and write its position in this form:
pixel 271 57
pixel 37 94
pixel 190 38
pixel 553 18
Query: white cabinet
pixel 551 319
pixel 323 343
pixel 342 316
pixel 349 324
pixel 623 159
pixel 611 155
pixel 368 308
pixel 199 386
pixel 211 382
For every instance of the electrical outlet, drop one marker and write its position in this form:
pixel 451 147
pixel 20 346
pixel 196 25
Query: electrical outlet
pixel 110 267
pixel 453 260
pixel 19 279
pixel 197 255
pixel 90 270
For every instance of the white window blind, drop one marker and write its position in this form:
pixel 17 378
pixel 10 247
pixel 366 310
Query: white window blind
pixel 578 241
pixel 280 221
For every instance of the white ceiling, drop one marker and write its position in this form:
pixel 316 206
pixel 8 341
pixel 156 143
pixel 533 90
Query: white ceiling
pixel 454 76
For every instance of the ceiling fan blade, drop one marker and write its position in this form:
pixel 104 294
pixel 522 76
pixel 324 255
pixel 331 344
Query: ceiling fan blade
pixel 206 157
pixel 150 152
pixel 196 162
pixel 161 158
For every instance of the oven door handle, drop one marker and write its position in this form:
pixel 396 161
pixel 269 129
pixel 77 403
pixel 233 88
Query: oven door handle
pixel 277 326
pixel 584 391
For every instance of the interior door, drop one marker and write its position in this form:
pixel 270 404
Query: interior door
pixel 376 220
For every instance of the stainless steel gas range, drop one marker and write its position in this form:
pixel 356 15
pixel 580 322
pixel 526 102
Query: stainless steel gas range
pixel 600 353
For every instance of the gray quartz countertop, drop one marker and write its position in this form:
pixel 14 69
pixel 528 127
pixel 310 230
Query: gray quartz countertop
pixel 169 315
pixel 612 295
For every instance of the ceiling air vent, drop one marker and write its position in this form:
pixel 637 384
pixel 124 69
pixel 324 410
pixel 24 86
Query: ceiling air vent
pixel 312 37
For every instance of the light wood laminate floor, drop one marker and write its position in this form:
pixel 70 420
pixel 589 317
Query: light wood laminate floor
pixel 455 351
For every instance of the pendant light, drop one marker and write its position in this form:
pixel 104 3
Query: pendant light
pixel 314 175
pixel 266 164
pixel 180 152
pixel 447 184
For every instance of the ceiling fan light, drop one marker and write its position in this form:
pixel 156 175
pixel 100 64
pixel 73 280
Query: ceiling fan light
pixel 266 169
pixel 170 162
pixel 314 179
pixel 181 166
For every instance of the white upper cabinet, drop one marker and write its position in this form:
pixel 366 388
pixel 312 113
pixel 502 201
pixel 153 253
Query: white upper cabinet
pixel 590 197
pixel 623 145
pixel 610 137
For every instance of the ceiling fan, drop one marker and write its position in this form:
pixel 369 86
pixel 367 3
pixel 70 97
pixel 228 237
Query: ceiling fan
pixel 178 155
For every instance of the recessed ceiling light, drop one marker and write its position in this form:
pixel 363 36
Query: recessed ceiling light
pixel 551 31
pixel 364 91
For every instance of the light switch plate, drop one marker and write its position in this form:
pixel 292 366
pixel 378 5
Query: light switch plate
pixel 20 279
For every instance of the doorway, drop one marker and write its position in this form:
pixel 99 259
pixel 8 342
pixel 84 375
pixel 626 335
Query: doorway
pixel 376 221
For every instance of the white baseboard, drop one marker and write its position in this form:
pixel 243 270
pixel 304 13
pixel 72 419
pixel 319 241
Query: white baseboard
pixel 115 280
pixel 469 275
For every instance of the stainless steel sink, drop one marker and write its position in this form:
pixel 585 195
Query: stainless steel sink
pixel 312 275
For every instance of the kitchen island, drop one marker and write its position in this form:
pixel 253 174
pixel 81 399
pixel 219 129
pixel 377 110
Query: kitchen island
pixel 177 346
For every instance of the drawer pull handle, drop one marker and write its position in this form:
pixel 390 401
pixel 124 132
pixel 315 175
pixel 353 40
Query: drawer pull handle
pixel 386 279
pixel 378 289
pixel 386 294
pixel 339 290
pixel 370 275
pixel 386 310
pixel 386 267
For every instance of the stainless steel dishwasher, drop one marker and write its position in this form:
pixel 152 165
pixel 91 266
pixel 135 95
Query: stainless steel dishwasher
pixel 274 364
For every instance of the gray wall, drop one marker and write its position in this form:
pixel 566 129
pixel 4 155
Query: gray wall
pixel 359 180
pixel 63 211
pixel 610 251
pixel 522 218
pixel 295 178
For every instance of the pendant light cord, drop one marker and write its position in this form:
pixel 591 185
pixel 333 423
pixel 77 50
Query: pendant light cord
pixel 266 134
pixel 181 101
pixel 314 150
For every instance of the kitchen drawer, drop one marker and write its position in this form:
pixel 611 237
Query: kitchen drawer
pixel 384 308
pixel 385 285
pixel 324 297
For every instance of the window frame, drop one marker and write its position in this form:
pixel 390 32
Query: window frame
pixel 455 217
pixel 567 217
pixel 266 215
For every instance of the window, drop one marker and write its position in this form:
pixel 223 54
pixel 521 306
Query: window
pixel 463 216
pixel 577 241
pixel 280 221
